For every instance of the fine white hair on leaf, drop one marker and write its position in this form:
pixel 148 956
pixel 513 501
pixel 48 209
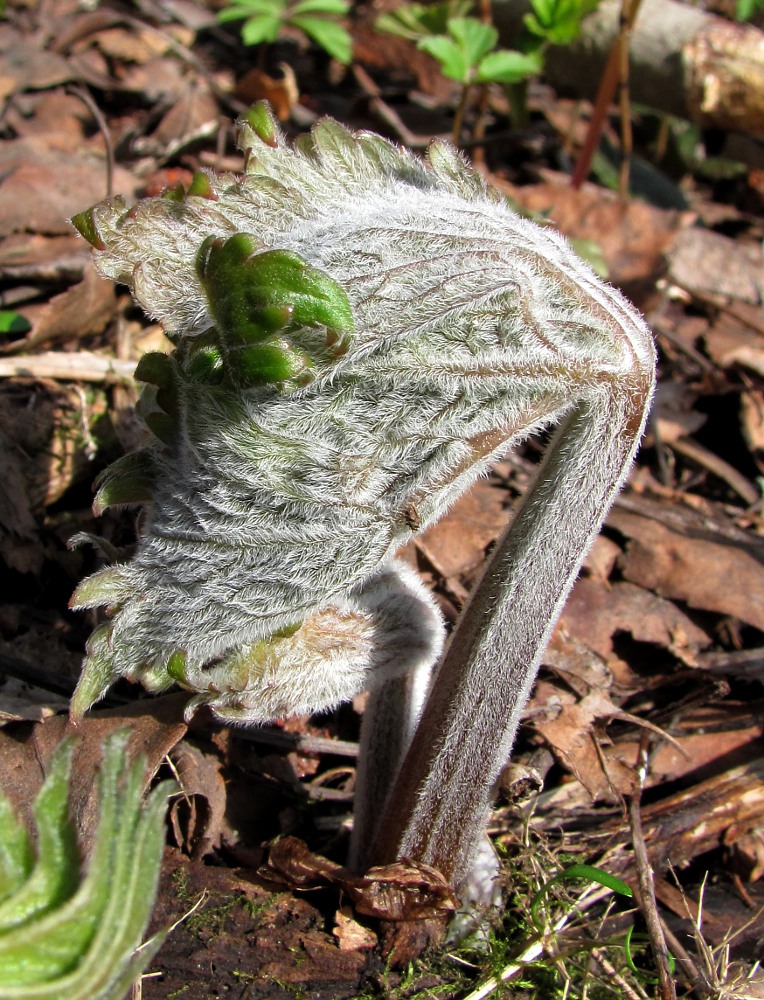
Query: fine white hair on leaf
pixel 273 508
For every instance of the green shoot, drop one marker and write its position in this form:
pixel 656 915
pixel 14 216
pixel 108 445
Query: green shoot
pixel 264 21
pixel 63 934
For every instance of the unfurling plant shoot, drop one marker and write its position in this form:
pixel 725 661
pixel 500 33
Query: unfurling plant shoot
pixel 72 935
pixel 358 334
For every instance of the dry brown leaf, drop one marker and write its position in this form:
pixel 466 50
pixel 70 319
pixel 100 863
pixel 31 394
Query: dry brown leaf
pixel 597 611
pixel 42 188
pixel 282 93
pixel 197 815
pixel 352 936
pixel 82 310
pixel 31 257
pixel 721 575
pixel 155 725
pixel 26 65
pixel 633 236
pixel 459 541
pixel 752 417
pixel 709 264
pixel 193 116
pixel 573 741
pixel 400 891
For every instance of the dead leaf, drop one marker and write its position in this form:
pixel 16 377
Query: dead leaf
pixel 42 188
pixel 752 418
pixel 718 575
pixel 597 611
pixel 405 890
pixel 708 264
pixel 633 236
pixel 282 94
pixel 197 815
pixel 572 739
pixel 155 725
pixel 352 936
pixel 81 311
pixel 459 541
pixel 194 115
pixel 31 257
pixel 26 65
pixel 400 891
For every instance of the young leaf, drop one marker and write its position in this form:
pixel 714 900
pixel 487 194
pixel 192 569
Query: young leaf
pixel 260 29
pixel 332 37
pixel 558 22
pixel 84 945
pixel 13 322
pixel 337 8
pixel 505 66
pixel 249 8
pixel 450 55
pixel 475 38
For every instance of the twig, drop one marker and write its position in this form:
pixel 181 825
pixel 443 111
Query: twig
pixel 646 898
pixel 299 743
pixel 87 99
pixel 79 366
pixel 537 947
pixel 716 465
pixel 387 115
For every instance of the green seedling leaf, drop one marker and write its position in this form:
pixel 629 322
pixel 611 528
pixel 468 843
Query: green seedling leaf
pixel 201 186
pixel 260 29
pixel 13 322
pixel 338 8
pixel 505 66
pixel 474 37
pixel 416 20
pixel 452 59
pixel 574 872
pixel 332 37
pixel 205 365
pixel 261 364
pixel 558 22
pixel 54 875
pixel 157 369
pixel 251 8
pixel 262 122
pixel 461 52
pixel 16 857
pixel 86 948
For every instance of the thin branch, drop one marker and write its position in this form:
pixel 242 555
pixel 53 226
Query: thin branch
pixel 646 900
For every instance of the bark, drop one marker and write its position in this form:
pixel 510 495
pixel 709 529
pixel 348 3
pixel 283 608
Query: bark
pixel 683 61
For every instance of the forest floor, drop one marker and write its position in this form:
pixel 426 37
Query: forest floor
pixel 660 650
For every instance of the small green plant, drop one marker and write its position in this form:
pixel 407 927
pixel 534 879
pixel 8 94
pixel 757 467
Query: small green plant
pixel 264 20
pixel 63 935
pixel 466 48
pixel 745 9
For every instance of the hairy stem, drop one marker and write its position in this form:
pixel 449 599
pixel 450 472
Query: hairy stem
pixel 389 720
pixel 438 805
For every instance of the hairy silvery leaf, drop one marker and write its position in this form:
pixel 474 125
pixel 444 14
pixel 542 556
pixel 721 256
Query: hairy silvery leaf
pixel 64 934
pixel 359 334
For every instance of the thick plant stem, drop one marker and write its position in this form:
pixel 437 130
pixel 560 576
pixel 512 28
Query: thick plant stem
pixel 438 805
pixel 389 720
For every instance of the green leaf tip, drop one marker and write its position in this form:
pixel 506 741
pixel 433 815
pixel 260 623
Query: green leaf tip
pixel 80 939
pixel 201 187
pixel 85 224
pixel 260 119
